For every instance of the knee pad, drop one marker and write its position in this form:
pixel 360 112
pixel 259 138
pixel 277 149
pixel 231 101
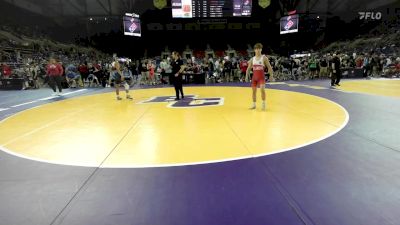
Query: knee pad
pixel 126 85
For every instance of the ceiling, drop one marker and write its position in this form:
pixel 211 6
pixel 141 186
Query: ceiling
pixel 82 8
pixel 101 8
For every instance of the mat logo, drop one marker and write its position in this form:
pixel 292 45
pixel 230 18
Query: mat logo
pixel 190 101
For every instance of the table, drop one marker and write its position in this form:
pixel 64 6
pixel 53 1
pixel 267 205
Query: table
pixel 196 78
pixel 12 83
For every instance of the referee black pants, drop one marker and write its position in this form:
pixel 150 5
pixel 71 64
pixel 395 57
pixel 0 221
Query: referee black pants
pixel 178 88
pixel 335 78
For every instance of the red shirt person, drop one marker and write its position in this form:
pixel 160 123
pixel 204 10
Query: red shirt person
pixel 6 70
pixel 243 66
pixel 54 70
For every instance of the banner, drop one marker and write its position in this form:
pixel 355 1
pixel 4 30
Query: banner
pixel 264 3
pixel 160 4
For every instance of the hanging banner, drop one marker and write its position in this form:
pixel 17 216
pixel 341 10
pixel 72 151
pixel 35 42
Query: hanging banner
pixel 160 4
pixel 264 3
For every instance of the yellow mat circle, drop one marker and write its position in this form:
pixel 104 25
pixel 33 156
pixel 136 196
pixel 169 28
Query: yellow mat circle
pixel 212 124
pixel 388 88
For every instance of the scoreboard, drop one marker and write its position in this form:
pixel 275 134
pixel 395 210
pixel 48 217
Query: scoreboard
pixel 211 8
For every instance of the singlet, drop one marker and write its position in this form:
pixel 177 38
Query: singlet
pixel 258 66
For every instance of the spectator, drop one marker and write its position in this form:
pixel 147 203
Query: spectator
pixel 336 73
pixel 151 68
pixel 227 67
pixel 243 68
pixel 313 67
pixel 72 76
pixel 6 70
pixel 366 65
pixel 84 71
pixel 323 68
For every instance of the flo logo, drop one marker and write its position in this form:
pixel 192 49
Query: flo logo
pixel 390 13
pixel 370 15
pixel 190 101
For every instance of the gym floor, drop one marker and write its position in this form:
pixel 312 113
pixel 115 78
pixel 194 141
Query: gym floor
pixel 317 155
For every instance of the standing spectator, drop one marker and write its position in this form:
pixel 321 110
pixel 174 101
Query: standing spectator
pixel 84 71
pixel 313 67
pixel 210 68
pixel 133 69
pixel 35 74
pixel 217 70
pixel 294 65
pixel 359 62
pixel 99 73
pixel 151 68
pixel 366 65
pixel 205 67
pixel 54 72
pixel 374 65
pixel 336 73
pixel 323 64
pixel 166 70
pixel 227 69
pixel 144 71
pixel 235 69
pixel 140 72
pixel 398 67
pixel 243 68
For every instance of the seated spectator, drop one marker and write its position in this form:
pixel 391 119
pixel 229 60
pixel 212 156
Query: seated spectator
pixel 72 76
pixel 92 78
pixel 6 71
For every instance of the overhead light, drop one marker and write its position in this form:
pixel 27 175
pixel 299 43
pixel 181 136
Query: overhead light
pixel 105 18
pixel 90 18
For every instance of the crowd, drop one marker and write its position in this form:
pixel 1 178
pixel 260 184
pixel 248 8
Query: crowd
pixel 85 67
pixel 95 72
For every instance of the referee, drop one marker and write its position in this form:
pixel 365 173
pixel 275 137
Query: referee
pixel 177 69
